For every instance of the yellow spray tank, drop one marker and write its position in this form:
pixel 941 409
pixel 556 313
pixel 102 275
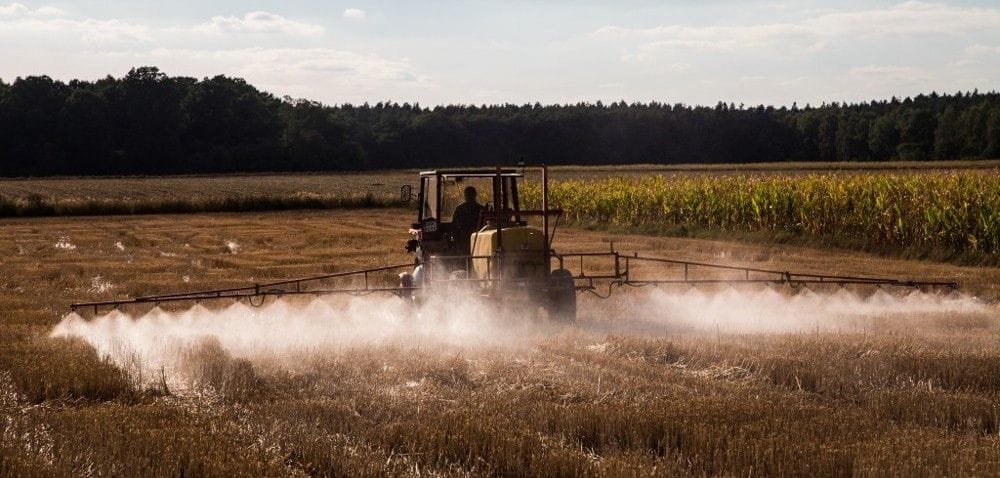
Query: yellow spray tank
pixel 524 256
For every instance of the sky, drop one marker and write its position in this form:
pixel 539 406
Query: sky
pixel 522 51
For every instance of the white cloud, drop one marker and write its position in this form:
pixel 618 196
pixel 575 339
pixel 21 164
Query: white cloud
pixel 110 31
pixel 13 9
pixel 905 19
pixel 314 73
pixel 260 22
pixel 886 74
pixel 883 71
pixel 49 12
pixel 887 78
pixel 709 38
pixel 909 18
pixel 982 50
pixel 19 9
pixel 20 21
pixel 354 14
pixel 979 54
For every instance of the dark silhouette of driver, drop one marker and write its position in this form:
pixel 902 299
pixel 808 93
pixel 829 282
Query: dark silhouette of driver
pixel 465 221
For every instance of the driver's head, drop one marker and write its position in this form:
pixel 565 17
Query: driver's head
pixel 470 194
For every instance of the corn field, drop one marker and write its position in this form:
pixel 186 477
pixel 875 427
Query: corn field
pixel 954 211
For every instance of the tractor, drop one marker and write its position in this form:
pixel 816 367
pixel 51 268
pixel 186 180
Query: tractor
pixel 471 228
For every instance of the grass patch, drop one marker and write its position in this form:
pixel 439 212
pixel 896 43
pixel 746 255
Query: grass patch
pixel 43 369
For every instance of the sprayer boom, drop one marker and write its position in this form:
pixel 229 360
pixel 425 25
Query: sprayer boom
pixel 590 270
pixel 315 285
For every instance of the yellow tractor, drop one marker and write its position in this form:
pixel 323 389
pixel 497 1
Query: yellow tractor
pixel 471 229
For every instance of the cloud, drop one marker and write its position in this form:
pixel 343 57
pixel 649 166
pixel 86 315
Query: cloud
pixel 111 31
pixel 709 38
pixel 884 71
pixel 19 9
pixel 887 78
pixel 13 9
pixel 909 18
pixel 982 50
pixel 259 22
pixel 353 14
pixel 19 20
pixel 978 54
pixel 905 19
pixel 314 73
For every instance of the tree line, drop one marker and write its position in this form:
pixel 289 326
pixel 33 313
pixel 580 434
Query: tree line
pixel 149 123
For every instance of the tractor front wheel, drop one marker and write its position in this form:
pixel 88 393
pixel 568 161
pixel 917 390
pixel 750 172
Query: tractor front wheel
pixel 561 306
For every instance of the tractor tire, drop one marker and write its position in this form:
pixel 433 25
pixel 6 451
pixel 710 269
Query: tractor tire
pixel 561 306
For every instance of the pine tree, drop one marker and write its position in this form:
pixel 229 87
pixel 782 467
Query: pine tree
pixel 947 143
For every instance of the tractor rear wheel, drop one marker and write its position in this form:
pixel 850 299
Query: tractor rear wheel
pixel 561 306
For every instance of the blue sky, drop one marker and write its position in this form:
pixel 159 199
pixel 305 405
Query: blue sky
pixel 555 51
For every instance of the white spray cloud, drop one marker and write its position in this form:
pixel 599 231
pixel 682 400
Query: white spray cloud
pixel 290 334
pixel 772 311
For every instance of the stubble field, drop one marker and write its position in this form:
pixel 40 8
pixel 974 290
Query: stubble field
pixel 676 382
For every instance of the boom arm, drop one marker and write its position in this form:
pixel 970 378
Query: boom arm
pixel 619 274
pixel 279 288
pixel 694 273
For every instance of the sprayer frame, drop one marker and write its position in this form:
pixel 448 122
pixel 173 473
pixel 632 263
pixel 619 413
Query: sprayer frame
pixel 506 205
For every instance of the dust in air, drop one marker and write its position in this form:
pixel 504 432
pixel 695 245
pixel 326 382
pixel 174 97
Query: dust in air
pixel 289 333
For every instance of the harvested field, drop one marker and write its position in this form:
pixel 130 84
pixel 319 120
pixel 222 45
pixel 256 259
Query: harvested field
pixel 758 382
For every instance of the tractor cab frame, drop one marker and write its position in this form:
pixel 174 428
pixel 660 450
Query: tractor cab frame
pixel 441 191
pixel 502 255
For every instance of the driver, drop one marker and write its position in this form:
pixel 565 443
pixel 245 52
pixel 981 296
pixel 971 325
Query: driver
pixel 465 221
